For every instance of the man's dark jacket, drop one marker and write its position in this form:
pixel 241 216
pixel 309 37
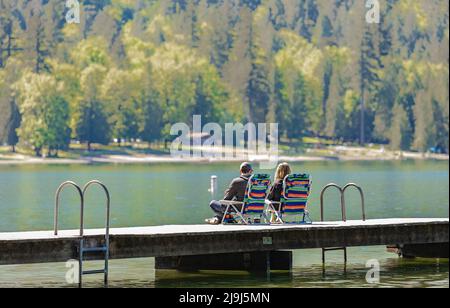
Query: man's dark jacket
pixel 236 191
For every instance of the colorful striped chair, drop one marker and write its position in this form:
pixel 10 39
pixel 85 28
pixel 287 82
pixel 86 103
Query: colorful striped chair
pixel 253 207
pixel 294 201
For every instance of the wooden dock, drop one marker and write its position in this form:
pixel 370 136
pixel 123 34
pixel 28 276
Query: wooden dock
pixel 195 240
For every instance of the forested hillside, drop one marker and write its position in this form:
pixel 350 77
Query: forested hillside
pixel 131 69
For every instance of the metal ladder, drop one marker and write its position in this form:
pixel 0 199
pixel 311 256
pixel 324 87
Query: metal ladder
pixel 343 213
pixel 82 250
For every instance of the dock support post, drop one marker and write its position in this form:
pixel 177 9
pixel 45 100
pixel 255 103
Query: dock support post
pixel 268 265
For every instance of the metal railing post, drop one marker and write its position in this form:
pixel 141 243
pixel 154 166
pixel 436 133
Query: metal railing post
pixel 108 214
pixel 57 201
pixel 361 192
pixel 344 213
pixel 322 195
pixel 322 217
pixel 82 249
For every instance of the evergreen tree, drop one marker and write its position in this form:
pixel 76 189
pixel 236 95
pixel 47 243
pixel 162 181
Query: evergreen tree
pixel 298 124
pixel 282 103
pixel 90 121
pixel 368 65
pixel 152 119
pixel 399 134
pixel 11 137
pixel 10 117
pixel 259 90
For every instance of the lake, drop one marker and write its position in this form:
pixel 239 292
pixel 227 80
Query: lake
pixel 145 195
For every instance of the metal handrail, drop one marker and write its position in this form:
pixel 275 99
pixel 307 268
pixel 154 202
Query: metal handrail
pixel 344 212
pixel 322 216
pixel 108 202
pixel 322 195
pixel 82 250
pixel 361 192
pixel 57 199
pixel 108 211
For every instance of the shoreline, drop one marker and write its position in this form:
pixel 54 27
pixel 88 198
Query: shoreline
pixel 155 159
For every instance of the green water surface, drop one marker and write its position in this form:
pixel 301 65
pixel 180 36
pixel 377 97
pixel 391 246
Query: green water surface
pixel 145 195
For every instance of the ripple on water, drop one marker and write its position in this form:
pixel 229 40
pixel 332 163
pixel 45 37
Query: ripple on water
pixel 140 273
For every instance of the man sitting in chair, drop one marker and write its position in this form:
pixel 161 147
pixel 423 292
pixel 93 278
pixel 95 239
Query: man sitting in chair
pixel 236 192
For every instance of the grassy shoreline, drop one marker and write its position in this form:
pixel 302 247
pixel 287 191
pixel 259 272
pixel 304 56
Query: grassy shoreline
pixel 114 154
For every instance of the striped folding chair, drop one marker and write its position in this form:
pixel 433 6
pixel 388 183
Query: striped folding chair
pixel 294 201
pixel 253 208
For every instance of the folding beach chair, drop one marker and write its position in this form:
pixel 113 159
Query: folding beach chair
pixel 253 207
pixel 294 200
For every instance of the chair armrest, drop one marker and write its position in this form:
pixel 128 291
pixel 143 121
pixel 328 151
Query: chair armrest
pixel 230 202
pixel 268 202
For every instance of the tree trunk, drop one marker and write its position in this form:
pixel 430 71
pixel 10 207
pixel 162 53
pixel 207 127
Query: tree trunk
pixel 89 146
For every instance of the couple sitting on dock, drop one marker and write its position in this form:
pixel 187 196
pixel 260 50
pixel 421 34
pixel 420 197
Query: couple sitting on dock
pixel 248 200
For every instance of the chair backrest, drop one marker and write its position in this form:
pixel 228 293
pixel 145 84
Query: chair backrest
pixel 256 193
pixel 296 190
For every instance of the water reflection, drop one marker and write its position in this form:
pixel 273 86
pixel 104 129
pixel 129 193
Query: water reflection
pixel 395 272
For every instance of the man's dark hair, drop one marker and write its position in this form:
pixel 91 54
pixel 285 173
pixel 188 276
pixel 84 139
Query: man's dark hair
pixel 246 168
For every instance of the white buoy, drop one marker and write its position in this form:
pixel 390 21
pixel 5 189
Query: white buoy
pixel 213 188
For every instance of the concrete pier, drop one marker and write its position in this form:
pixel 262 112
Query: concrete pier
pixel 198 240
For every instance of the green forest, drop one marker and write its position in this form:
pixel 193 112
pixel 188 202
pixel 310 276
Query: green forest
pixel 132 68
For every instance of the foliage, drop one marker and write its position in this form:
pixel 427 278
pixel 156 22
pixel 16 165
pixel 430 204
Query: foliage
pixel 133 68
pixel 45 113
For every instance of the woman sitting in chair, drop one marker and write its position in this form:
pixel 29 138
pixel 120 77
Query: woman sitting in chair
pixel 289 196
pixel 276 191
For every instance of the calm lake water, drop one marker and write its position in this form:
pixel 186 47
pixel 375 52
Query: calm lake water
pixel 144 195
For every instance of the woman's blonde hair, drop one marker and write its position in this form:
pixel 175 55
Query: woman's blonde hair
pixel 283 170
